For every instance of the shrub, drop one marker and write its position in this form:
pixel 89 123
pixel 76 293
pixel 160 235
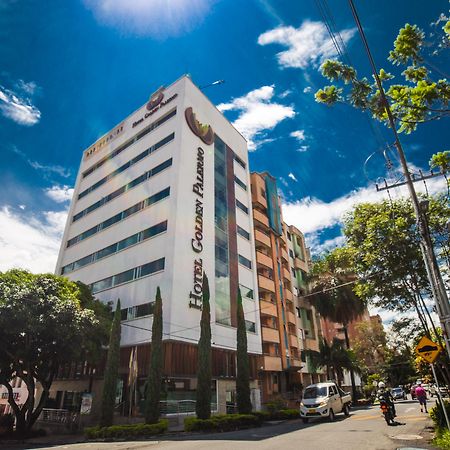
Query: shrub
pixel 442 440
pixel 287 414
pixel 222 422
pixel 437 414
pixel 275 404
pixel 127 431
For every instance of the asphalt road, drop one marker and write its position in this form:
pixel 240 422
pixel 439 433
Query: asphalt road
pixel 364 429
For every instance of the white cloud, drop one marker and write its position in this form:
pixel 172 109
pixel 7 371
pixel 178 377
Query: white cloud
pixel 312 214
pixel 257 114
pixel 307 90
pixel 309 44
pixel 299 135
pixel 46 169
pixel 159 18
pixel 303 148
pixel 59 194
pixel 17 105
pixel 29 242
pixel 292 177
pixel 286 93
pixel 318 248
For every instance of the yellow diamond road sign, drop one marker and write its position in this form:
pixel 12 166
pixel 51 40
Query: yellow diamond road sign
pixel 428 349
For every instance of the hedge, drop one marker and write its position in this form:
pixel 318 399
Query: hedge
pixel 437 414
pixel 127 431
pixel 442 440
pixel 222 422
pixel 282 414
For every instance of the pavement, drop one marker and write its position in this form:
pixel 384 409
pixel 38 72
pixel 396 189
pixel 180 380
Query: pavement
pixel 365 429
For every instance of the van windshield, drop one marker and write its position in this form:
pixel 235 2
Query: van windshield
pixel 315 391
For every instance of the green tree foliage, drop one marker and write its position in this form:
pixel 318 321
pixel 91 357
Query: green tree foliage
pixel 153 391
pixel 334 358
pixel 418 97
pixel 204 377
pixel 441 160
pixel 341 305
pixel 45 321
pixel 384 243
pixel 111 371
pixel 244 404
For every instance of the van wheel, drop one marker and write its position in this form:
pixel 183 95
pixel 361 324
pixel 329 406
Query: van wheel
pixel 305 419
pixel 346 410
pixel 331 417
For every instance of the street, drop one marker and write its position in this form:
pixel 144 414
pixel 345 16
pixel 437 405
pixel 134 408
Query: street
pixel 364 429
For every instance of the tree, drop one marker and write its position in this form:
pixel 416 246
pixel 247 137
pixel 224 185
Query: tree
pixel 333 357
pixel 244 403
pixel 153 394
pixel 45 321
pixel 111 371
pixel 419 98
pixel 203 403
pixel 441 160
pixel 342 305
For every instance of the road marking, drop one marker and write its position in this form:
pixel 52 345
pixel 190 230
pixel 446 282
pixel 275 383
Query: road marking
pixel 407 410
pixel 408 418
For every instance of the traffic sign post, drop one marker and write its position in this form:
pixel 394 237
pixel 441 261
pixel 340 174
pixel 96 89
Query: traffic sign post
pixel 429 351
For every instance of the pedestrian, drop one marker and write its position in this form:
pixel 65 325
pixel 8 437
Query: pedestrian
pixel 421 395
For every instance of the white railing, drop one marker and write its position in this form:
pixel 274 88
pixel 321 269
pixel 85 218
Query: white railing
pixel 169 407
pixel 57 415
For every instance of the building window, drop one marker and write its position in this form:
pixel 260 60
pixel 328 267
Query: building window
pixel 263 193
pixel 293 272
pixel 240 183
pixel 120 149
pixel 152 172
pixel 134 312
pixel 128 275
pixel 120 216
pixel 240 162
pixel 241 206
pixel 289 235
pixel 250 326
pixel 291 253
pixel 246 292
pixel 245 262
pixel 128 164
pixel 245 234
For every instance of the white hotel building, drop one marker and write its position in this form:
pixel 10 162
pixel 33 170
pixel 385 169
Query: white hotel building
pixel 159 200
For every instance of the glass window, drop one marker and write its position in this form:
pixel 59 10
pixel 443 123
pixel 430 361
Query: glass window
pixel 154 266
pixel 245 234
pixel 102 284
pixel 137 181
pixel 244 261
pixel 124 243
pixel 291 254
pixel 240 183
pixel 82 262
pixel 133 209
pixel 154 230
pixel 104 252
pixel 158 196
pixel 111 221
pixel 161 167
pixel 163 141
pixel 240 162
pixel 115 194
pixel 146 309
pixel 123 277
pixel 246 292
pixel 250 326
pixel 241 206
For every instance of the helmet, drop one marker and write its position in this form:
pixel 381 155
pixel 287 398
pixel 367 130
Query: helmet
pixel 381 385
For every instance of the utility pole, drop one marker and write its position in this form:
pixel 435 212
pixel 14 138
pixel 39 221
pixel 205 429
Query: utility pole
pixel 426 245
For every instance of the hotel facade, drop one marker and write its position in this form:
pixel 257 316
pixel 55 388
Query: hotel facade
pixel 160 200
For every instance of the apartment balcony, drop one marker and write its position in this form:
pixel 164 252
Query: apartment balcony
pixel 261 237
pixel 288 295
pixel 297 362
pixel 284 254
pixel 286 273
pixel 265 283
pixel 291 317
pixel 293 340
pixel 272 363
pixel 299 264
pixel 270 335
pixel 260 217
pixel 263 259
pixel 268 308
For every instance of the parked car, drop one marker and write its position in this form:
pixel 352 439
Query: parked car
pixel 398 393
pixel 442 389
pixel 324 400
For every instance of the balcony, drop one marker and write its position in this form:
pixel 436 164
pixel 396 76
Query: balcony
pixel 293 341
pixel 299 264
pixel 263 259
pixel 268 308
pixel 272 363
pixel 286 273
pixel 297 362
pixel 291 317
pixel 261 237
pixel 270 335
pixel 260 217
pixel 284 254
pixel 266 283
pixel 288 295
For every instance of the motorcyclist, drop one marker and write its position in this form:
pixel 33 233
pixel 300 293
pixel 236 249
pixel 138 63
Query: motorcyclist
pixel 385 394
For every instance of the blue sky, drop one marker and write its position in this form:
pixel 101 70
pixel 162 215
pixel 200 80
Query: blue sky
pixel 74 69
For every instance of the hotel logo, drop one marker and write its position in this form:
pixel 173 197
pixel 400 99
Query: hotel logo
pixel 204 132
pixel 155 99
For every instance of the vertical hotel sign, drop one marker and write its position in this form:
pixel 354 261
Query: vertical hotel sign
pixel 206 134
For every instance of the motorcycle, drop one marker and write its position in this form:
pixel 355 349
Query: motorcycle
pixel 387 411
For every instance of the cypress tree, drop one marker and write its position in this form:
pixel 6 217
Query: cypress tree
pixel 153 391
pixel 203 404
pixel 111 371
pixel 244 404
